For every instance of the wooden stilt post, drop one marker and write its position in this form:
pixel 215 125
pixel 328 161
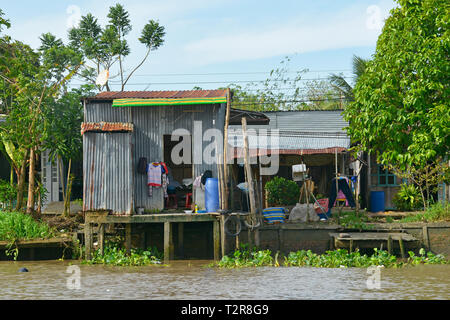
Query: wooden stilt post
pixel 216 239
pixel 101 238
pixel 128 237
pixel 402 248
pixel 88 242
pixel 168 242
pixel 181 239
pixel 425 238
pixel 337 184
pixel 389 244
pixel 225 149
pixel 222 235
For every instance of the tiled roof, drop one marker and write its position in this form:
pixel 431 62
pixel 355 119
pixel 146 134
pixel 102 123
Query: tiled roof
pixel 111 95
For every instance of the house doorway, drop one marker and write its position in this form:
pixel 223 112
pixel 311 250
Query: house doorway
pixel 178 158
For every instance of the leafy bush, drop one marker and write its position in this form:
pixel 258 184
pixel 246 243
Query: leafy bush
pixel 281 191
pixel 8 193
pixel 408 198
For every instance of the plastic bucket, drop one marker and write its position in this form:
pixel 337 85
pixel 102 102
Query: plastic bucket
pixel 212 195
pixel 377 201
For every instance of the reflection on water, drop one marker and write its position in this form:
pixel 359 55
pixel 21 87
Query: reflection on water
pixel 192 280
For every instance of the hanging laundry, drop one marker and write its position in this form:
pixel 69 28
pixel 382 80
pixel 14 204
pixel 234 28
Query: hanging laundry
pixel 154 173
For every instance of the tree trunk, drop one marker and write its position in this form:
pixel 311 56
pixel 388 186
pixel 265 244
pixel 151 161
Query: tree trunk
pixel 66 212
pixel 21 183
pixel 31 182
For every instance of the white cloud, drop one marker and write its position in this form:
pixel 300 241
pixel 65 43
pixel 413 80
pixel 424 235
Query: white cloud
pixel 353 27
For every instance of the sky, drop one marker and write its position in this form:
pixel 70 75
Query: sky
pixel 211 43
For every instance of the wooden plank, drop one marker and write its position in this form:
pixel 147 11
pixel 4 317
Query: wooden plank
pixel 361 236
pixel 216 240
pixel 154 218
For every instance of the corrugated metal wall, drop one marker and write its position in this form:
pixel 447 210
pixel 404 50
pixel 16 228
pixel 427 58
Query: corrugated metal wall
pixel 107 168
pixel 150 125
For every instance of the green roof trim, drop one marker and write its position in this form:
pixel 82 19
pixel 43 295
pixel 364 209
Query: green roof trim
pixel 167 102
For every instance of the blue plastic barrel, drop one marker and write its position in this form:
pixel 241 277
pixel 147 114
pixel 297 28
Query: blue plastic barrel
pixel 377 201
pixel 212 195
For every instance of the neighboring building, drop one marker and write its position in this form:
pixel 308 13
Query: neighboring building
pixel 310 137
pixel 120 128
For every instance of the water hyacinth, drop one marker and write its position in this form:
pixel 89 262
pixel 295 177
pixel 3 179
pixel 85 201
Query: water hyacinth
pixel 330 259
pixel 116 256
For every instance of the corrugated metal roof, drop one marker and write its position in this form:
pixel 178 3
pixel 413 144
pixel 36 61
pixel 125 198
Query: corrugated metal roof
pixel 296 132
pixel 289 140
pixel 174 94
pixel 306 121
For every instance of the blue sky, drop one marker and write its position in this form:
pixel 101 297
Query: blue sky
pixel 222 41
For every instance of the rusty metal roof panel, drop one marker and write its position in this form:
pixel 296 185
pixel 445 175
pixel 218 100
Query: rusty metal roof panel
pixel 170 94
pixel 106 127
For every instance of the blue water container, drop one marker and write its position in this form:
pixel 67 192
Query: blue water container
pixel 212 195
pixel 377 201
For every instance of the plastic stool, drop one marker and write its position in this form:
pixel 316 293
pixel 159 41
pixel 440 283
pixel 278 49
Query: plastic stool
pixel 174 198
pixel 188 200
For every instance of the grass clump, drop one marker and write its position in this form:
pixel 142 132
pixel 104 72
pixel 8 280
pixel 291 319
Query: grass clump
pixel 436 212
pixel 20 226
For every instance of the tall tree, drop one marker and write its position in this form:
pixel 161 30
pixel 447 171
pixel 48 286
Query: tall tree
pixel 102 48
pixel 401 108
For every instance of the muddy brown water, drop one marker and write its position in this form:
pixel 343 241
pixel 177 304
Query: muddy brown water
pixel 192 280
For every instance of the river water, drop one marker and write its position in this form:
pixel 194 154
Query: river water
pixel 192 280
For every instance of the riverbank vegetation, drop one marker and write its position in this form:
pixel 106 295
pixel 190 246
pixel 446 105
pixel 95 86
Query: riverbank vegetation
pixel 331 259
pixel 115 255
pixel 20 226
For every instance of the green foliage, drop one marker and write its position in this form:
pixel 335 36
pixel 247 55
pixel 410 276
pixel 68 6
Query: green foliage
pixel 436 212
pixel 246 257
pixel 105 47
pixel 340 258
pixel 401 107
pixel 426 258
pixel 3 21
pixel 352 220
pixel 281 191
pixel 331 259
pixel 8 193
pixel 21 226
pixel 408 198
pixel 116 256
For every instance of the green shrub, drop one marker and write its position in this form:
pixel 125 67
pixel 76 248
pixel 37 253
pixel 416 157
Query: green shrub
pixel 408 198
pixel 281 191
pixel 8 193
